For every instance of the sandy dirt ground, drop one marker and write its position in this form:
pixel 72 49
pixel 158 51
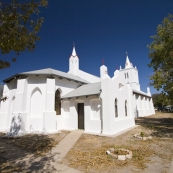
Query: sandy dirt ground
pixel 88 154
pixel 155 155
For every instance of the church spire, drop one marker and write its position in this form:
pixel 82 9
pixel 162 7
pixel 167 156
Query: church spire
pixel 128 64
pixel 74 51
pixel 73 62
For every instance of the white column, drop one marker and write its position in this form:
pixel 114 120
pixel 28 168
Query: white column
pixel 103 71
pixel 106 106
pixel 4 108
pixel 18 107
pixel 140 106
pixel 20 102
pixel 50 114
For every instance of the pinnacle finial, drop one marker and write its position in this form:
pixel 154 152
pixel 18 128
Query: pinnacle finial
pixel 103 62
pixel 128 63
pixel 74 51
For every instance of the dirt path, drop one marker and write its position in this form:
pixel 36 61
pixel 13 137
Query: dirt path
pixel 88 154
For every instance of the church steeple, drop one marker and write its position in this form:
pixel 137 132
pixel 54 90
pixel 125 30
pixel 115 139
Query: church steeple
pixel 74 51
pixel 73 62
pixel 128 63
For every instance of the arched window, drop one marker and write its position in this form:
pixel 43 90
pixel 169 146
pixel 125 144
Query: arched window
pixel 58 102
pixel 36 103
pixel 116 108
pixel 126 108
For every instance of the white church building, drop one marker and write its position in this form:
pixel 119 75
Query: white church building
pixel 50 100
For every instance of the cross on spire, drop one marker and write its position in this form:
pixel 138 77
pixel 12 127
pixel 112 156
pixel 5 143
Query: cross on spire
pixel 103 62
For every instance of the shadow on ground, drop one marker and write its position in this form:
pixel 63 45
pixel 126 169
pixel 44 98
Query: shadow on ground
pixel 26 154
pixel 161 127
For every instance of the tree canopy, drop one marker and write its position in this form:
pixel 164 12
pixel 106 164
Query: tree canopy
pixel 19 27
pixel 160 99
pixel 161 55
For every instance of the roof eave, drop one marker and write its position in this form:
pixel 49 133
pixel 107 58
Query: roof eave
pixel 22 74
pixel 10 78
pixel 141 93
pixel 80 96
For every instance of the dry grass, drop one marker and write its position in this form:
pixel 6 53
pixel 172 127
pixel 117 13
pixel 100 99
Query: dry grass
pixel 97 158
pixel 9 167
pixel 36 143
pixel 89 155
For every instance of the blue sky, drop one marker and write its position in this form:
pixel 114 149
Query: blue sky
pixel 101 29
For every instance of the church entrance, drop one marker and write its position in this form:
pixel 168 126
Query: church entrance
pixel 80 115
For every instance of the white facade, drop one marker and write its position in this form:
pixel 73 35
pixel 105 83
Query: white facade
pixel 96 104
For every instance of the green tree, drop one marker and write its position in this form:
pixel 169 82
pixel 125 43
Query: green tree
pixel 161 55
pixel 19 27
pixel 160 99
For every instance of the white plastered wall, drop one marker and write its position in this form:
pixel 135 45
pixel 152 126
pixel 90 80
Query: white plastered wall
pixel 111 90
pixel 22 99
pixel 20 94
pixel 4 114
pixel 36 87
pixel 142 105
pixel 64 120
pixel 92 113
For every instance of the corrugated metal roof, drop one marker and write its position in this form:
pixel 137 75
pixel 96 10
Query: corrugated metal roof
pixel 84 90
pixel 141 93
pixel 49 71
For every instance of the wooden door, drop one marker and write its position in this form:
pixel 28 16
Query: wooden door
pixel 80 115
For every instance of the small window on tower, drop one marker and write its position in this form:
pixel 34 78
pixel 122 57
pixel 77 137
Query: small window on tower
pixel 125 75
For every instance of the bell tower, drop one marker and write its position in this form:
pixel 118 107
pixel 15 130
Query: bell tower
pixel 131 74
